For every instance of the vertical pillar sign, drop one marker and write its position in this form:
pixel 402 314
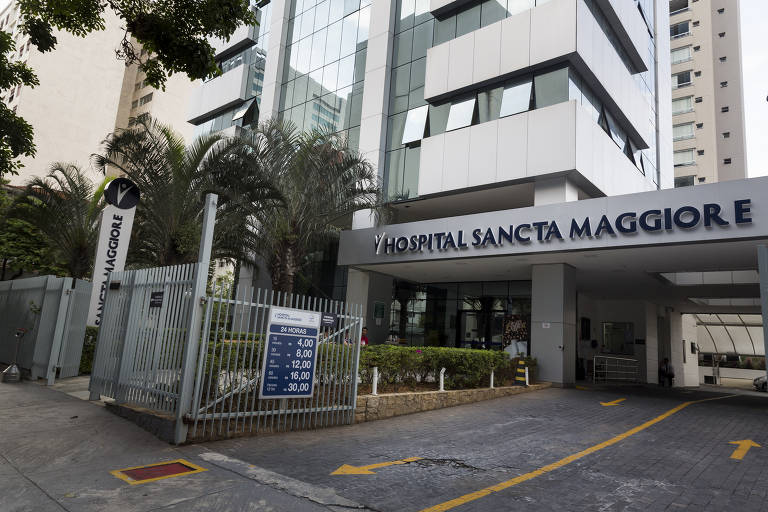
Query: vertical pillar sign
pixel 290 351
pixel 122 196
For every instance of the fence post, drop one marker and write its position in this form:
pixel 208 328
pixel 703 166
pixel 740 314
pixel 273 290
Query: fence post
pixel 375 388
pixel 442 379
pixel 59 331
pixel 194 327
pixel 492 379
pixel 526 376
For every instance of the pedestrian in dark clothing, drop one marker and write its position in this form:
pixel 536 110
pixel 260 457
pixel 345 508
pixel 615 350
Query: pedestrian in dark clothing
pixel 666 373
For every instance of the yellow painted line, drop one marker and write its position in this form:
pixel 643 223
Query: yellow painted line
pixel 611 404
pixel 195 469
pixel 462 500
pixel 743 447
pixel 347 469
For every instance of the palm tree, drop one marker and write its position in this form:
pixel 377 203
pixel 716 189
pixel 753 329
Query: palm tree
pixel 65 206
pixel 173 179
pixel 318 183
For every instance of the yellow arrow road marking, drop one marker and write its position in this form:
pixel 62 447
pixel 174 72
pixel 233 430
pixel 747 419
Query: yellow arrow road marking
pixel 461 500
pixel 610 404
pixel 743 447
pixel 346 469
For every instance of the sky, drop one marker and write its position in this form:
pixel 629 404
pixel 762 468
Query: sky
pixel 754 43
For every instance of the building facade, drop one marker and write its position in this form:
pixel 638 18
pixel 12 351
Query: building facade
pixel 707 91
pixel 525 146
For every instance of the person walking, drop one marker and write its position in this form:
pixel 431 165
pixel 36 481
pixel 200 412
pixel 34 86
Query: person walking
pixel 666 373
pixel 364 337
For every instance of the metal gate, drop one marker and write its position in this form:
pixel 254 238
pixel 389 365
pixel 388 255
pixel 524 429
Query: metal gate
pixel 228 375
pixel 142 336
pixel 151 348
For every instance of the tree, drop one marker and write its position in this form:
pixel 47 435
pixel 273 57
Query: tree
pixel 15 132
pixel 172 37
pixel 320 182
pixel 64 207
pixel 173 180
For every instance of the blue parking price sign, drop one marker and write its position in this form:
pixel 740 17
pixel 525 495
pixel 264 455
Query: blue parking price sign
pixel 290 354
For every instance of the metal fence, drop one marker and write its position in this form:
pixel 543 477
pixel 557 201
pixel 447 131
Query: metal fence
pixel 148 348
pixel 53 310
pixel 229 368
pixel 142 336
pixel 616 369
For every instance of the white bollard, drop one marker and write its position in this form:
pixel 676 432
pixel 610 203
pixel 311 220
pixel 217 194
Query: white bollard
pixel 526 375
pixel 375 389
pixel 442 379
pixel 491 379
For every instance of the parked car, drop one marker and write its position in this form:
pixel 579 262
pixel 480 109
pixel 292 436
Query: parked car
pixel 760 383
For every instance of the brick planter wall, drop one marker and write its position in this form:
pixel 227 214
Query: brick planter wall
pixel 372 408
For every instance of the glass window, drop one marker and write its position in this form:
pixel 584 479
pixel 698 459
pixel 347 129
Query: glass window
pixel 461 113
pixel 318 50
pixel 489 104
pixel 394 173
pixel 679 30
pixel 468 20
pixel 682 131
pixel 517 97
pixel 492 11
pixel 684 157
pixel 346 71
pixel 617 134
pixel 395 128
pixel 331 76
pixel 333 43
pixel 438 118
pixel 422 39
pixel 415 124
pixel 336 11
pixel 349 35
pixel 363 27
pixel 681 54
pixel 445 30
pixel 401 79
pixel 360 66
pixel 682 105
pixel 404 19
pixel 321 14
pixel 551 88
pixel 681 79
pixel 403 44
pixel 684 181
pixel 411 172
pixel 416 94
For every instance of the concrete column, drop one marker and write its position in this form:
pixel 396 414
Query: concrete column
pixel 554 190
pixel 553 322
pixel 651 343
pixel 273 68
pixel 676 354
pixel 378 67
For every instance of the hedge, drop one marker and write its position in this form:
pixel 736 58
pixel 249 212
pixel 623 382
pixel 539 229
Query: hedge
pixel 406 367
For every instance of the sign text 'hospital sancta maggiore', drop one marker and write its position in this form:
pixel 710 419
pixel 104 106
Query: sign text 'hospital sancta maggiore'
pixel 625 224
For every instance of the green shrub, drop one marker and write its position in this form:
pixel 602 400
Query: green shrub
pixel 405 367
pixel 89 350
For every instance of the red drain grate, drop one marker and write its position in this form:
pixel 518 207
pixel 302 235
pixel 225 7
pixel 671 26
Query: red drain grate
pixel 158 471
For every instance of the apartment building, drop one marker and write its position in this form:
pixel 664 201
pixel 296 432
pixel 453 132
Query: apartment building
pixel 707 91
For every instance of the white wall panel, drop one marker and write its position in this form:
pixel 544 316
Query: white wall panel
pixel 515 42
pixel 512 147
pixel 553 30
pixel 436 76
pixel 221 92
pixel 456 160
pixel 461 52
pixel 483 140
pixel 486 63
pixel 552 139
pixel 431 165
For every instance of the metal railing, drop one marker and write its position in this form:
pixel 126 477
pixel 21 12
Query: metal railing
pixel 615 369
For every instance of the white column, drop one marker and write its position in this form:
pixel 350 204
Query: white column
pixel 555 190
pixel 675 341
pixel 553 322
pixel 273 68
pixel 762 262
pixel 378 67
pixel 651 343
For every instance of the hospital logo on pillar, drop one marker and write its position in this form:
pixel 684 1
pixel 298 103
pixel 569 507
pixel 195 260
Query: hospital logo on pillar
pixel 122 196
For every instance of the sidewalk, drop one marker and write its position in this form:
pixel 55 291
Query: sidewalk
pixel 57 451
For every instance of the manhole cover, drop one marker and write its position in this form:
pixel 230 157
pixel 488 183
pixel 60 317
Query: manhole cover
pixel 159 471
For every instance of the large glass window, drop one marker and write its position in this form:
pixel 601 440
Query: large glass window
pixel 461 113
pixel 682 131
pixel 415 124
pixel 551 88
pixel 682 105
pixel 517 97
pixel 681 79
pixel 684 157
pixel 679 30
pixel 681 55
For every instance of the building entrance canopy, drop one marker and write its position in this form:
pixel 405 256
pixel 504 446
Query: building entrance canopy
pixel 619 245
